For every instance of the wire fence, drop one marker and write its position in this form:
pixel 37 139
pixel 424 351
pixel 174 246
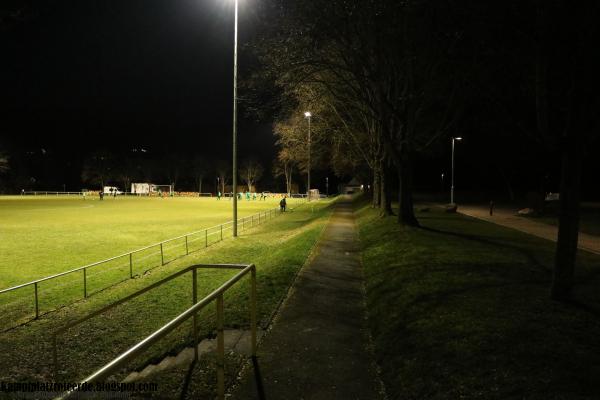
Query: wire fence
pixel 48 193
pixel 25 302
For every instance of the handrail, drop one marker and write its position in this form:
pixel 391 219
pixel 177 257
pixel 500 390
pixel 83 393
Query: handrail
pixel 217 294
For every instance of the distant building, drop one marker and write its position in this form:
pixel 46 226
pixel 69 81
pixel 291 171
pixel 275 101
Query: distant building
pixel 351 187
pixel 148 189
pixel 140 188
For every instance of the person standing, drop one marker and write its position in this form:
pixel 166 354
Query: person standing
pixel 282 204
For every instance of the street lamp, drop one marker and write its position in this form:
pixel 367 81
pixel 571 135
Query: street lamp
pixel 308 115
pixel 234 167
pixel 442 185
pixel 452 185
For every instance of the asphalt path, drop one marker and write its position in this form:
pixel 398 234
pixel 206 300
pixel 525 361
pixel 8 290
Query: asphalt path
pixel 508 217
pixel 318 347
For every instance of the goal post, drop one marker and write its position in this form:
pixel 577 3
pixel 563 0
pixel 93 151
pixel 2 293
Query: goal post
pixel 161 190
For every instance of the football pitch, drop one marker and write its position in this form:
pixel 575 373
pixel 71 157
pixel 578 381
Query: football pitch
pixel 45 235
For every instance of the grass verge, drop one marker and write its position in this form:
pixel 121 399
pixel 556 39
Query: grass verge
pixel 460 308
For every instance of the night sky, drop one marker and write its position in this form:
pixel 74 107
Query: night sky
pixel 84 75
pixel 79 76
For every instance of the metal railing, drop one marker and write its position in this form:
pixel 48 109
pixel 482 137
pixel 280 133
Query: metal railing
pixel 188 243
pixel 217 295
pixel 49 193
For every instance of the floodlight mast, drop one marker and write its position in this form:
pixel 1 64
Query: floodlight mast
pixel 234 166
pixel 308 115
pixel 452 185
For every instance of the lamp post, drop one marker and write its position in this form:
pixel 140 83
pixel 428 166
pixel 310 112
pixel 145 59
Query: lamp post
pixel 308 115
pixel 452 185
pixel 234 166
pixel 327 185
pixel 442 186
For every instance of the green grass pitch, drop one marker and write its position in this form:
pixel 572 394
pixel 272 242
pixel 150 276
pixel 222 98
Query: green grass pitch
pixel 41 235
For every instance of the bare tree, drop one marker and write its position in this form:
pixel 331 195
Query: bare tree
pixel 126 171
pixel 199 170
pixel 97 169
pixel 223 173
pixel 251 172
pixel 284 166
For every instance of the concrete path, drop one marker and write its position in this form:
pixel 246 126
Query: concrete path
pixel 318 346
pixel 507 217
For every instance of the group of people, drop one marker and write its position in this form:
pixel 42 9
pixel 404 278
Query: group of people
pixel 248 195
pixel 263 196
pixel 101 194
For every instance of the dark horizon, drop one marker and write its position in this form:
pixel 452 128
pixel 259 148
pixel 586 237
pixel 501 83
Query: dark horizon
pixel 79 77
pixel 85 76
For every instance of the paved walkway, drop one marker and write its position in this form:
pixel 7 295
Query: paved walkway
pixel 507 217
pixel 317 348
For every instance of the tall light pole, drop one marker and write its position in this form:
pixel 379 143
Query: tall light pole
pixel 234 167
pixel 308 115
pixel 452 185
pixel 442 185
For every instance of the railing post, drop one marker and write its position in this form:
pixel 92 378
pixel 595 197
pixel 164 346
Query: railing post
pixel 130 265
pixel 253 308
pixel 85 283
pixel 221 231
pixel 252 221
pixel 243 223
pixel 195 300
pixel 162 255
pixel 220 350
pixel 37 307
pixel 187 250
pixel 206 238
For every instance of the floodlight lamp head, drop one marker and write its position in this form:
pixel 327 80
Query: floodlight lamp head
pixel 458 138
pixel 307 114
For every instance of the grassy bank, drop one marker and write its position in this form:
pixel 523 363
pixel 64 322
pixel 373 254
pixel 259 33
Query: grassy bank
pixel 460 309
pixel 278 249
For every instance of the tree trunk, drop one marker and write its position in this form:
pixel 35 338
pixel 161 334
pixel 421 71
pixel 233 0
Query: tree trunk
pixel 406 212
pixel 541 69
pixel 568 227
pixel 376 187
pixel 386 192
